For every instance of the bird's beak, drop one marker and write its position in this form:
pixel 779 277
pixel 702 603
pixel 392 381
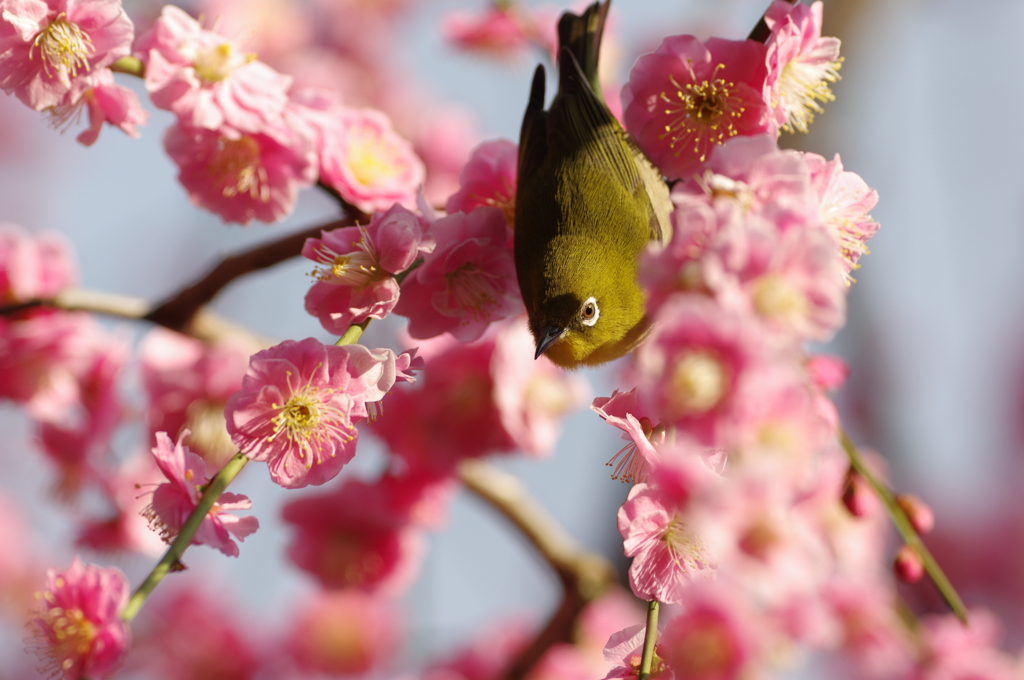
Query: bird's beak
pixel 548 336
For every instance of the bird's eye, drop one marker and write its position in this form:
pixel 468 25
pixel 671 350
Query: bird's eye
pixel 589 313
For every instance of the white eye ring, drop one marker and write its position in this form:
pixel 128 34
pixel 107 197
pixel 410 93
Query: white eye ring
pixel 590 320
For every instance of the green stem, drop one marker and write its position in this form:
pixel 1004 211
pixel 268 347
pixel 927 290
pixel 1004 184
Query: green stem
pixel 906 529
pixel 171 558
pixel 650 639
pixel 130 65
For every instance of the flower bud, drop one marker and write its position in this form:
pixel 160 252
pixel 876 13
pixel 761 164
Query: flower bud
pixel 856 494
pixel 907 565
pixel 918 512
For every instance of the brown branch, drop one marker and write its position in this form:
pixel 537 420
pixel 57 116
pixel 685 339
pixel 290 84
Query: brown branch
pixel 176 311
pixel 584 576
pixel 761 32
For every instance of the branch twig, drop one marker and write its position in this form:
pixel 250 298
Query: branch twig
pixel 584 576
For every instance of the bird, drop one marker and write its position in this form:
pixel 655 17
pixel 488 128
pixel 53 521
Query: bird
pixel 587 203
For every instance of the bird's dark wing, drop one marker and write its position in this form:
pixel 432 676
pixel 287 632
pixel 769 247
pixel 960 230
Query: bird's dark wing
pixel 533 134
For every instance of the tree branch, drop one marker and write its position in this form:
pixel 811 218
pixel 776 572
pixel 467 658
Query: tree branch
pixel 584 576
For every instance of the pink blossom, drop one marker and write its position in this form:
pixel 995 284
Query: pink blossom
pixel 714 638
pixel 33 266
pixel 241 178
pixel 355 279
pixel 188 383
pixel 694 364
pixel 206 80
pixel 503 32
pixel 299 403
pixel 801 63
pixel 687 97
pixel 488 178
pixel 345 632
pixel 106 102
pixel 354 537
pixel 489 655
pixel 624 650
pixel 194 633
pixel 468 281
pixel 50 49
pixel 844 201
pixel 872 634
pixel 367 162
pixel 40 357
pixel 421 495
pixel 953 650
pixel 444 139
pixel 77 624
pixel 125 528
pixel 175 500
pixel 629 412
pixel 272 28
pixel 667 554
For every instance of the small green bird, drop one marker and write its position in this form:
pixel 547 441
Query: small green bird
pixel 587 203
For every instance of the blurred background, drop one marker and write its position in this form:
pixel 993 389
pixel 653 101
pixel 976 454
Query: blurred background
pixel 926 113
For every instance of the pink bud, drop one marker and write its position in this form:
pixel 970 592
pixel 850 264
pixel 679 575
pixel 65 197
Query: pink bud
pixel 857 497
pixel 907 565
pixel 918 512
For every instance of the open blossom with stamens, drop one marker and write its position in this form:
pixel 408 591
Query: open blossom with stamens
pixel 355 276
pixel 175 500
pixel 77 625
pixel 844 201
pixel 801 63
pixel 50 48
pixel 299 403
pixel 254 176
pixel 206 79
pixel 688 97
pixel 106 102
pixel 628 412
pixel 367 162
pixel 468 281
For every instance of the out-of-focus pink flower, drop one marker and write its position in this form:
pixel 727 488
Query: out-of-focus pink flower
pixel 188 384
pixel 191 633
pixel 953 650
pixel 206 80
pixel 872 634
pixel 106 102
pixel 299 403
pixel 713 638
pixel 368 163
pixel 629 412
pixel 354 536
pixel 50 49
pixel 77 626
pixel 271 28
pixel 687 97
pixel 801 63
pixel 844 201
pixel 355 279
pixel 345 632
pixel 444 138
pixel 488 178
pixel 667 554
pixel 125 529
pixel 468 282
pixel 503 32
pixel 241 178
pixel 39 358
pixel 488 656
pixel 33 266
pixel 174 501
pixel 694 365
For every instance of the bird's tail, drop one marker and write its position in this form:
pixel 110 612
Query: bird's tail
pixel 580 36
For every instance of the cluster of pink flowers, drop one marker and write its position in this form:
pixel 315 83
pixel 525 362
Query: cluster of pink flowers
pixel 688 96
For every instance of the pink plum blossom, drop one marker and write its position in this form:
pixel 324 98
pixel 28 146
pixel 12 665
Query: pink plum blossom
pixel 77 624
pixel 628 412
pixel 33 266
pixel 50 49
pixel 241 178
pixel 467 282
pixel 367 162
pixel 444 138
pixel 206 79
pixel 488 178
pixel 175 500
pixel 354 536
pixel 503 32
pixel 667 553
pixel 124 528
pixel 801 63
pixel 687 97
pixel 624 651
pixel 357 267
pixel 106 102
pixel 188 383
pixel 844 201
pixel 298 405
pixel 345 632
